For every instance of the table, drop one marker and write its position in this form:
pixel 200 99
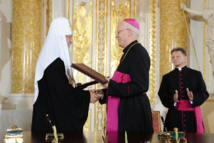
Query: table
pixel 112 137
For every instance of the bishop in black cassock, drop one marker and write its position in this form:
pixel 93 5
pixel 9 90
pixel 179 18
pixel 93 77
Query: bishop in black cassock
pixel 128 107
pixel 183 91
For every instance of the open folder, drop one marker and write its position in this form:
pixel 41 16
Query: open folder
pixel 90 73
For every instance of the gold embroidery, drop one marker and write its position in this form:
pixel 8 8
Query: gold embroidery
pixel 128 51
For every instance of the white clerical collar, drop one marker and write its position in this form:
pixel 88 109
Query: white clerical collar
pixel 180 68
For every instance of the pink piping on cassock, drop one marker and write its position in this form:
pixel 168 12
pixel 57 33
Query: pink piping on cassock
pixel 113 102
pixel 204 96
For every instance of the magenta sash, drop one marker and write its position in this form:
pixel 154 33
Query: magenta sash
pixel 200 128
pixel 113 102
pixel 184 105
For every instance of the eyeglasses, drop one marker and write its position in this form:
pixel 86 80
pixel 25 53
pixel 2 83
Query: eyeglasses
pixel 70 36
pixel 118 32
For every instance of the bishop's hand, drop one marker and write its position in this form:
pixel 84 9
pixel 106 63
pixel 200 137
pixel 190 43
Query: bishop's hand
pixel 106 85
pixel 176 96
pixel 189 94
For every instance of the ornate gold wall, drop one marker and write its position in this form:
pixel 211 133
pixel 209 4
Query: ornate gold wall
pixel 152 72
pixel 82 36
pixel 96 45
pixel 102 62
pixel 49 7
pixel 116 16
pixel 101 51
pixel 173 32
pixel 26 44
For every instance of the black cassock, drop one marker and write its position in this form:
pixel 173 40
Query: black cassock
pixel 129 84
pixel 184 120
pixel 66 106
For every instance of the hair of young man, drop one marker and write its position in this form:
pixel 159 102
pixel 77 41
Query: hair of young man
pixel 179 49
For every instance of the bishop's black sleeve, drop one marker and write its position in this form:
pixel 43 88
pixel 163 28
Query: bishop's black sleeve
pixel 68 98
pixel 201 95
pixel 139 74
pixel 166 99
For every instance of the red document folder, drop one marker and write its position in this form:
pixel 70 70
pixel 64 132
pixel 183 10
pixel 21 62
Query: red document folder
pixel 89 72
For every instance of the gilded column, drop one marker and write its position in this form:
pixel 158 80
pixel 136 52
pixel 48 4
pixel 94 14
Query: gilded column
pixel 204 46
pixel 173 32
pixel 26 45
pixel 152 79
pixel 49 13
pixel 68 10
pixel 134 15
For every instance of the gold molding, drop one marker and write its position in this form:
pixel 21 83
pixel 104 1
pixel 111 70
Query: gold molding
pixel 210 100
pixel 105 59
pixel 208 73
pixel 26 44
pixel 49 8
pixel 204 46
pixel 82 29
pixel 96 60
pixel 134 15
pixel 102 51
pixel 152 72
pixel 106 39
pixel 116 51
pixel 209 66
pixel 116 16
pixel 173 32
pixel 159 118
pixel 68 10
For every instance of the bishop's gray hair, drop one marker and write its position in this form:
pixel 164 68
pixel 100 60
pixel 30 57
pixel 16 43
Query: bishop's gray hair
pixel 135 30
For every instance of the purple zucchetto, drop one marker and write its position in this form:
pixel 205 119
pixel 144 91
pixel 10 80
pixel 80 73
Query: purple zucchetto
pixel 133 22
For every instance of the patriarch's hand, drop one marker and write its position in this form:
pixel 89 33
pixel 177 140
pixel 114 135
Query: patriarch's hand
pixel 94 96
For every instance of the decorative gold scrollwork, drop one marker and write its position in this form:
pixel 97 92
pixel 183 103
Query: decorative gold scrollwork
pixel 152 78
pixel 116 16
pixel 82 36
